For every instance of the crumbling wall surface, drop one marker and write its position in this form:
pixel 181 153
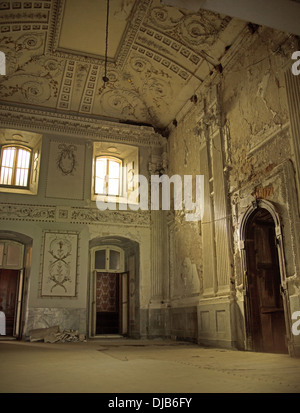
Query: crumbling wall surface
pixel 261 156
pixel 256 127
pixel 185 244
pixel 239 125
pixel 255 106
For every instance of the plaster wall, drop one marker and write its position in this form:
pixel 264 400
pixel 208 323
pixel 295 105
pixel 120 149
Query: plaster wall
pixel 67 208
pixel 239 126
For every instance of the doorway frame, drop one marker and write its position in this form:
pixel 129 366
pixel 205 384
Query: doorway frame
pixel 267 205
pixel 19 267
pixel 92 291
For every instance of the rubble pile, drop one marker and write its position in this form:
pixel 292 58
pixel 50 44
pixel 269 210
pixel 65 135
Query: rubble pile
pixel 54 335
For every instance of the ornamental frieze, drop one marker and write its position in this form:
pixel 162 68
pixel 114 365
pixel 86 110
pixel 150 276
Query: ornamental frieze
pixel 72 215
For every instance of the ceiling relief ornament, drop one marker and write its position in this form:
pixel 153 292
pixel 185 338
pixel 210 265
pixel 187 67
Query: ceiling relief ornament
pixel 31 91
pixel 88 94
pixel 19 16
pixel 198 30
pixel 158 57
pixel 30 42
pixel 51 67
pixel 36 91
pixel 161 17
pixel 140 64
pixel 32 77
pixel 19 50
pixel 122 102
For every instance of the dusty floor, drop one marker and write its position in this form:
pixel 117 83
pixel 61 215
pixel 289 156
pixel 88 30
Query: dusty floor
pixel 134 366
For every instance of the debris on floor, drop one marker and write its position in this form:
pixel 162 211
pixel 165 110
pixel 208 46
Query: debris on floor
pixel 54 335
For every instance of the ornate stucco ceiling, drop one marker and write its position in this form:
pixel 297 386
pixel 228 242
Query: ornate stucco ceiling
pixel 157 56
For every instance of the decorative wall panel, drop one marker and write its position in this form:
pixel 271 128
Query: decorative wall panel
pixel 65 171
pixel 59 271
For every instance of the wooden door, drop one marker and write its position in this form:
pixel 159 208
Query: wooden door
pixel 124 303
pixel 9 285
pixel 267 323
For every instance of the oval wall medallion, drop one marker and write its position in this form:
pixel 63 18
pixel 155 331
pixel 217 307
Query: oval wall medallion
pixel 66 160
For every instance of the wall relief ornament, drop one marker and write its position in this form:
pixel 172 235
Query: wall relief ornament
pixel 27 213
pixel 94 216
pixel 59 264
pixel 73 215
pixel 66 181
pixel 66 159
pixel 187 280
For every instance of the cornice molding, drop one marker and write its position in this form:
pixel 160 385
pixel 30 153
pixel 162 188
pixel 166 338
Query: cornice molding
pixel 78 126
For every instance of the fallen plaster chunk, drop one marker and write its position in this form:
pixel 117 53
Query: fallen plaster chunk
pixel 54 335
pixel 40 333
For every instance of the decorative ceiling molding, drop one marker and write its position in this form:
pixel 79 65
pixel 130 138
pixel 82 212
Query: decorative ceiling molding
pixel 52 46
pixel 163 56
pixel 17 16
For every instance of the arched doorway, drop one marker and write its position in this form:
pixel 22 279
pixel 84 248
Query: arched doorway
pixel 264 305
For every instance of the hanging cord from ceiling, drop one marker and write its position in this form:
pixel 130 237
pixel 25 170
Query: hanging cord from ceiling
pixel 105 78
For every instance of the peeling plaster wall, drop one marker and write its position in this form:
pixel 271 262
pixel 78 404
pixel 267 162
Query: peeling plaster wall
pixel 252 120
pixel 254 105
pixel 190 286
pixel 262 163
pixel 185 237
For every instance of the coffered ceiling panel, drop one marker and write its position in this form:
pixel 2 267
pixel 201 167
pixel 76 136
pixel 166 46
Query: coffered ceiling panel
pixel 157 56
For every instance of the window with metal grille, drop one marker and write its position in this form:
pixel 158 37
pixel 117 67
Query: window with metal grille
pixel 15 166
pixel 108 176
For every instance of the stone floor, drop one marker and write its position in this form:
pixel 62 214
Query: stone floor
pixel 139 366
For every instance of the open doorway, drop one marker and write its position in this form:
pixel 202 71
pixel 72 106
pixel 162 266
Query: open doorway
pixel 11 287
pixel 265 307
pixel 110 290
pixel 9 292
pixel 114 287
pixel 111 303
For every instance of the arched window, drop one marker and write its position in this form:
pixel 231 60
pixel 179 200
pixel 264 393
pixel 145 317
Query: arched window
pixel 108 176
pixel 15 165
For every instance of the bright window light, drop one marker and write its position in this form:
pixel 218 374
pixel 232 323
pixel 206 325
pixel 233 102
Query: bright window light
pixel 108 176
pixel 15 163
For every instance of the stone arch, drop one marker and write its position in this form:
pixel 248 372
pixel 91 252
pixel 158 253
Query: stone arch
pixel 250 213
